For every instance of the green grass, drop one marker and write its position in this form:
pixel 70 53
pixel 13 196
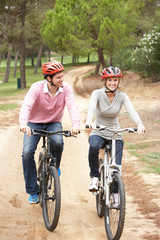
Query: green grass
pixel 157 120
pixel 138 146
pixel 151 159
pixel 88 74
pixel 6 107
pixel 10 89
pixel 67 59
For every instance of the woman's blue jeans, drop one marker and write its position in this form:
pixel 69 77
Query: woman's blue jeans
pixel 29 148
pixel 96 143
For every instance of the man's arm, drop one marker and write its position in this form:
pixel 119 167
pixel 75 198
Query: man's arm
pixel 26 108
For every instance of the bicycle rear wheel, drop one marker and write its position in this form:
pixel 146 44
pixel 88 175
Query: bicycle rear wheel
pixel 52 199
pixel 100 203
pixel 115 216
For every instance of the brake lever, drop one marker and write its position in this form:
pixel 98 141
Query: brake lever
pixel 69 135
pixel 34 133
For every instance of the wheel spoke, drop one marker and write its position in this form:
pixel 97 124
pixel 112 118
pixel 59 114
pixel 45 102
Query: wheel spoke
pixel 115 215
pixel 51 206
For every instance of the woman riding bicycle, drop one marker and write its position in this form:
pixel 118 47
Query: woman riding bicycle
pixel 105 105
pixel 43 108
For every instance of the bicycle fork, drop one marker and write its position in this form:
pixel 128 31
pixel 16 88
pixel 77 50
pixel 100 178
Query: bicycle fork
pixel 43 168
pixel 110 167
pixel 106 179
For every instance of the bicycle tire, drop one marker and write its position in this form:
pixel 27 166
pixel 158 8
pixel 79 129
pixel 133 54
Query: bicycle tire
pixel 39 178
pixel 115 217
pixel 51 199
pixel 100 203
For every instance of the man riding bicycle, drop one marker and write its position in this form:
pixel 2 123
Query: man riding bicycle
pixel 43 108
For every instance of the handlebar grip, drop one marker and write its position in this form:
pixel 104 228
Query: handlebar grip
pixel 34 133
pixel 132 130
pixel 135 129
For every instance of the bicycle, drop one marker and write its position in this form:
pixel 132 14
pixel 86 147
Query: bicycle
pixel 48 178
pixel 110 181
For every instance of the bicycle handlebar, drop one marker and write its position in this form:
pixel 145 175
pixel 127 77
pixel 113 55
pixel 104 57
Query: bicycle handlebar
pixel 65 133
pixel 130 130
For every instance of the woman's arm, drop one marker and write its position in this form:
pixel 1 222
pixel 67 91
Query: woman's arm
pixel 72 108
pixel 92 108
pixel 133 114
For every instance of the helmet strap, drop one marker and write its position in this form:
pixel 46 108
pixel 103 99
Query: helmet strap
pixel 51 82
pixel 107 90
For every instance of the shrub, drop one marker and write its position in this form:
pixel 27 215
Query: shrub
pixel 146 56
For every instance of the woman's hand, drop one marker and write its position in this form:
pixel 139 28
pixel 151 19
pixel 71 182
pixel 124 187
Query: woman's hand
pixel 75 131
pixel 141 129
pixel 26 129
pixel 91 126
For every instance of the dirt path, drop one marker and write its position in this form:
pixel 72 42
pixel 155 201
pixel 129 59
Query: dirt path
pixel 78 220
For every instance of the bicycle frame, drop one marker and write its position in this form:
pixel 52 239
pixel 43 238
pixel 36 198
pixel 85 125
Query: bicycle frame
pixel 110 166
pixel 45 156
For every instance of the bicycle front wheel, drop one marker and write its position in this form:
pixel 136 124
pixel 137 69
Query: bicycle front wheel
pixel 52 199
pixel 115 214
pixel 100 203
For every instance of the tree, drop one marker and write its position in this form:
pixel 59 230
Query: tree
pixel 60 31
pixel 93 25
pixel 146 56
pixel 18 11
pixel 7 35
pixel 22 12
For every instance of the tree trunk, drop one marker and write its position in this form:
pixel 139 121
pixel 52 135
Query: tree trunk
pixel 22 45
pixel 101 60
pixel 88 59
pixel 49 55
pixel 101 57
pixel 32 61
pixel 73 59
pixel 15 63
pixel 39 58
pixel 111 53
pixel 110 61
pixel 62 57
pixel 6 77
pixel 97 68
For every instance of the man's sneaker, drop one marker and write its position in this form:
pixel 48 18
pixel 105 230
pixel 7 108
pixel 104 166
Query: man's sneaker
pixel 93 187
pixel 59 172
pixel 33 198
pixel 115 200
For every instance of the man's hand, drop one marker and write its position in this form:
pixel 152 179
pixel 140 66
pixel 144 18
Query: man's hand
pixel 26 129
pixel 75 131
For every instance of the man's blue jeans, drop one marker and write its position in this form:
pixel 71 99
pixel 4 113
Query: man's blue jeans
pixel 96 143
pixel 29 148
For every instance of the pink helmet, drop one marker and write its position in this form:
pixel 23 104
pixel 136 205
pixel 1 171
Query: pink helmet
pixel 111 72
pixel 51 68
